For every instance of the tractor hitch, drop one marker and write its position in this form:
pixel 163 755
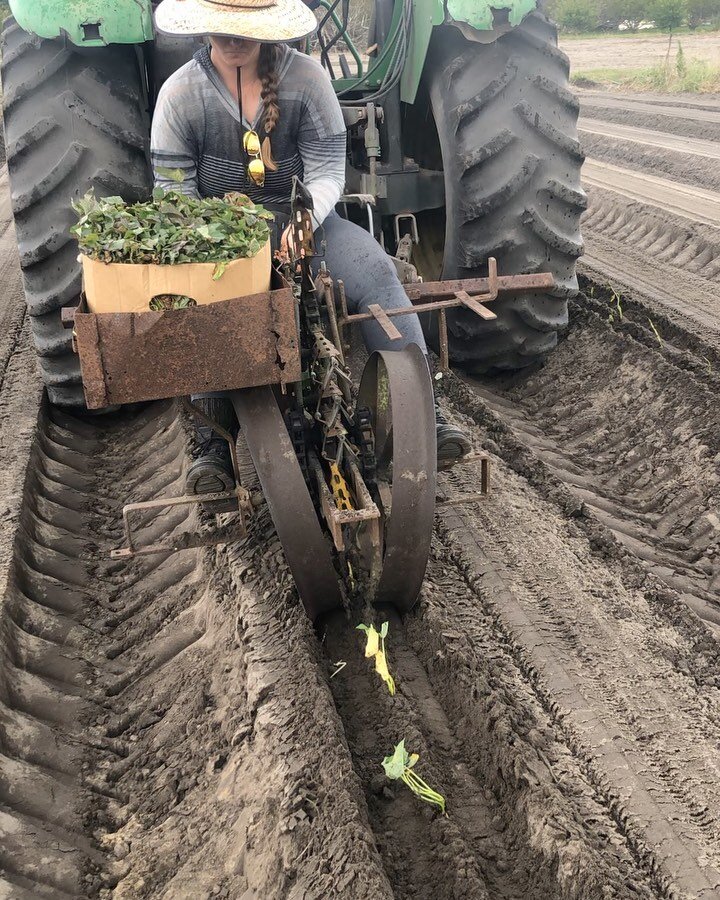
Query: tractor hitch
pixel 440 296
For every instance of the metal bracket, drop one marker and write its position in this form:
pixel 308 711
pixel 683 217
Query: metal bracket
pixel 381 317
pixel 440 296
pixel 484 461
pixel 366 510
pixel 366 200
pixel 188 540
pixel 414 233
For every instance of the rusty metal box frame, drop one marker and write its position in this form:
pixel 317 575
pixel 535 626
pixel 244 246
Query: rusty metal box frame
pixel 240 343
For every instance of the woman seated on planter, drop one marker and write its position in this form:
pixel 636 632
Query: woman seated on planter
pixel 246 114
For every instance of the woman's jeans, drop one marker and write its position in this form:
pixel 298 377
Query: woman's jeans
pixel 353 256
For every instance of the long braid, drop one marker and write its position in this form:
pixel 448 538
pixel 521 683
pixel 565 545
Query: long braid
pixel 267 72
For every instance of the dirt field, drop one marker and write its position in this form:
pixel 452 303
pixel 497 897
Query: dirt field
pixel 175 728
pixel 642 229
pixel 171 729
pixel 636 51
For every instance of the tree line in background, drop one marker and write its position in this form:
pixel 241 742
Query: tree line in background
pixel 630 15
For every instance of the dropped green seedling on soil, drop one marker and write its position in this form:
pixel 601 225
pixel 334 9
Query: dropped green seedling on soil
pixel 375 647
pixel 655 332
pixel 400 766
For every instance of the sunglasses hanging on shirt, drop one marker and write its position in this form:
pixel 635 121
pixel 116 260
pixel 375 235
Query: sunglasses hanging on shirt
pixel 251 144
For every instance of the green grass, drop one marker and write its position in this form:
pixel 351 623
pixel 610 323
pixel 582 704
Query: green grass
pixel 699 77
pixel 646 32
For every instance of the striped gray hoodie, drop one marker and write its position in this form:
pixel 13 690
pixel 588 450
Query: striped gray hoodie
pixel 196 128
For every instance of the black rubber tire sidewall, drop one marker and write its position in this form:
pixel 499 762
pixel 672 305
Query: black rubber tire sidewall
pixel 507 124
pixel 74 121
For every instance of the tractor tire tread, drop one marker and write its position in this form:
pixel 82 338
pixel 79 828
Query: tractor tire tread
pixel 74 122
pixel 507 122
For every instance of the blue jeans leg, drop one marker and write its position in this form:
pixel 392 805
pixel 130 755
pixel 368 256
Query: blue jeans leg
pixel 354 257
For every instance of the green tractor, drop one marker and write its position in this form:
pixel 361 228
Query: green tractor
pixel 462 145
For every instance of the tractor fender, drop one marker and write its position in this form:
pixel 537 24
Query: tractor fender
pixel 486 20
pixel 86 23
pixel 483 21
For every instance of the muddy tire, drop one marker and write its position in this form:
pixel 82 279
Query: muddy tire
pixel 507 125
pixel 73 121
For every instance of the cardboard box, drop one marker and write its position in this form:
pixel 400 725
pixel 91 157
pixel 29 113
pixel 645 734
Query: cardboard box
pixel 127 287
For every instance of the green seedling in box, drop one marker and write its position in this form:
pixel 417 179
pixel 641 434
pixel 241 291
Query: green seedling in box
pixel 171 228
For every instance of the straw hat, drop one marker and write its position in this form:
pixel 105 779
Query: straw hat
pixel 256 20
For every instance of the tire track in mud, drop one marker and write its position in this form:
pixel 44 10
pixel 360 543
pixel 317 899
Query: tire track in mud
pixel 169 727
pixel 625 672
pixel 648 235
pixel 58 672
pixel 673 263
pixel 629 420
pixel 686 201
pixel 656 235
pixel 141 722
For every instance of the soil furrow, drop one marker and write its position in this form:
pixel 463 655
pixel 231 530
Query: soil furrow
pixel 685 125
pixel 695 113
pixel 196 749
pixel 635 435
pixel 673 263
pixel 687 201
pixel 600 645
pixel 648 137
pixel 142 735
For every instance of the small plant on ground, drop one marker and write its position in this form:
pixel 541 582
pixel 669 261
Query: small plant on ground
pixel 680 64
pixel 616 302
pixel 655 331
pixel 375 647
pixel 399 766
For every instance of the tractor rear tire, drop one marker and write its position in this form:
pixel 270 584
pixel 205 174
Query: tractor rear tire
pixel 74 121
pixel 507 126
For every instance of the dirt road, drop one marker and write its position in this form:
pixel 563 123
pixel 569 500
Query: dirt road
pixel 636 51
pixel 174 728
pixel 691 203
pixel 650 138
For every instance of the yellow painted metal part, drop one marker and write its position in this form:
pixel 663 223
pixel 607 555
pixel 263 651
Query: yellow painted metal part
pixel 340 489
